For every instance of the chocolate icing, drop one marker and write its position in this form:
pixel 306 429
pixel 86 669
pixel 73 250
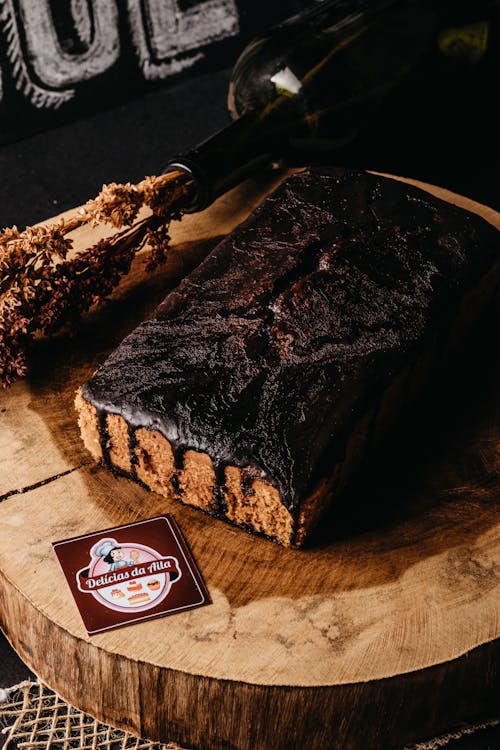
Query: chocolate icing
pixel 268 352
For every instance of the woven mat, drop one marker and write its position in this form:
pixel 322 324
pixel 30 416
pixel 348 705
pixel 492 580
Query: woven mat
pixel 34 717
pixel 445 739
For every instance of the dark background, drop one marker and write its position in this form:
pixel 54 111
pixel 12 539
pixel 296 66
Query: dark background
pixel 122 127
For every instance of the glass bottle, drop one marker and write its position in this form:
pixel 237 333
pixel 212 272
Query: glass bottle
pixel 308 88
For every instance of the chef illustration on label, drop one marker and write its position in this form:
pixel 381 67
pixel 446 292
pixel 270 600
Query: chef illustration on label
pixel 115 556
pixel 127 576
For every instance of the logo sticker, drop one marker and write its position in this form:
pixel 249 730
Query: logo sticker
pixel 131 573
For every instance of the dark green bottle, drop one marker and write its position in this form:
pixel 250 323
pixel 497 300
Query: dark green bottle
pixel 313 84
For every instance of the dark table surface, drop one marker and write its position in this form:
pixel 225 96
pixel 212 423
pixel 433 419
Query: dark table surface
pixel 56 170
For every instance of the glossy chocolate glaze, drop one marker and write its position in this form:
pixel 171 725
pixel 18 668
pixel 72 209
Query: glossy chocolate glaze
pixel 266 355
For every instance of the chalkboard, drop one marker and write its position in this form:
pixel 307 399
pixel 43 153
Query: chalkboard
pixel 60 59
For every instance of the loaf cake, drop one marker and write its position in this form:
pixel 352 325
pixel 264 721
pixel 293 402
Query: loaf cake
pixel 266 376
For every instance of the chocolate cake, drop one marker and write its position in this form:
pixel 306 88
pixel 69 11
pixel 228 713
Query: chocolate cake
pixel 264 378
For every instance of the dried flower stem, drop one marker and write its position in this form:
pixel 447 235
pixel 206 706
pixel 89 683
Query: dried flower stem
pixel 43 289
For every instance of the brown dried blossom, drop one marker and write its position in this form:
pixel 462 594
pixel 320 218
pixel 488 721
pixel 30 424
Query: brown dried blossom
pixel 116 204
pixel 44 289
pixel 119 204
pixel 34 248
pixel 163 196
pixel 158 239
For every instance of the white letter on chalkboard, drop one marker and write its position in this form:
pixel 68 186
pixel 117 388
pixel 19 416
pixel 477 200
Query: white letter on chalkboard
pixel 54 69
pixel 167 39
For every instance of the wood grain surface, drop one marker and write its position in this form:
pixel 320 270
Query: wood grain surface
pixel 384 630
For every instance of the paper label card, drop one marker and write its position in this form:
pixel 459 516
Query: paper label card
pixel 131 573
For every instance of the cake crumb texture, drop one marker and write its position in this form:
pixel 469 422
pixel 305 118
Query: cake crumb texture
pixel 196 481
pixel 256 505
pixel 154 461
pixel 87 422
pixel 118 441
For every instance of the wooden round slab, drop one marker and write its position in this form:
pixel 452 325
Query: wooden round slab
pixel 385 630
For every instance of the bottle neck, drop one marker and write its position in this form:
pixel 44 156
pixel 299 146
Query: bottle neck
pixel 228 157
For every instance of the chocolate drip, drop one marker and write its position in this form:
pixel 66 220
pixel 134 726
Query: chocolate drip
pixel 178 452
pixel 218 490
pixel 175 484
pixel 102 426
pixel 248 476
pixel 132 445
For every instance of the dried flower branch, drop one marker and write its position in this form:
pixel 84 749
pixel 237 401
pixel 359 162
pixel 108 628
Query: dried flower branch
pixel 45 287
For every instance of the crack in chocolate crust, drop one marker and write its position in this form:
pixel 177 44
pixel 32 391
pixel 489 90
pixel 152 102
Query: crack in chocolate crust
pixel 267 356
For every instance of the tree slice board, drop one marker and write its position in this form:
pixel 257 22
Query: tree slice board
pixel 386 629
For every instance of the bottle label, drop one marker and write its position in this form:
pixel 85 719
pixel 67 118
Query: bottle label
pixel 465 43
